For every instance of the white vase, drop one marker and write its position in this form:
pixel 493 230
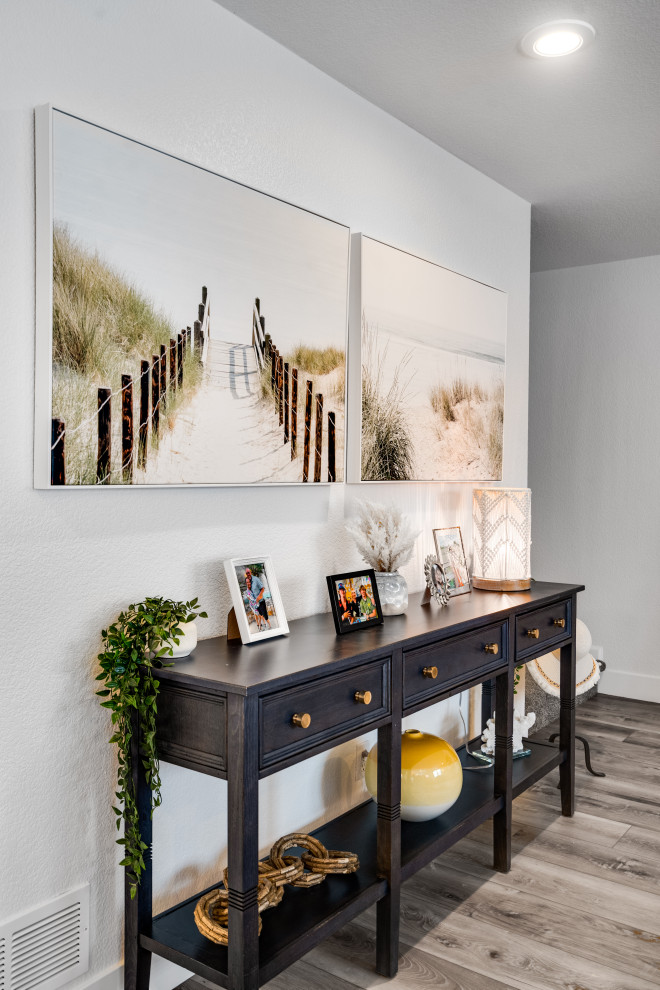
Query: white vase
pixel 187 642
pixel 393 592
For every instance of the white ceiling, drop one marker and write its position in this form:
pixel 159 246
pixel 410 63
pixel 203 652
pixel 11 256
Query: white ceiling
pixel 579 137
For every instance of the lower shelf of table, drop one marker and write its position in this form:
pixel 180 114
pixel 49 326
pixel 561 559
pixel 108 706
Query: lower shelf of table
pixel 306 916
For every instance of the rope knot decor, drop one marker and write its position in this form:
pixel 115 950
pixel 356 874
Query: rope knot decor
pixel 212 910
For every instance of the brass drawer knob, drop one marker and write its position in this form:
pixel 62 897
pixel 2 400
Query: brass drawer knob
pixel 533 633
pixel 303 721
pixel 431 672
pixel 492 648
pixel 561 623
pixel 363 697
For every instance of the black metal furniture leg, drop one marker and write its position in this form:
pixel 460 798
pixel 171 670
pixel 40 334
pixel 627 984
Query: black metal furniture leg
pixel 587 755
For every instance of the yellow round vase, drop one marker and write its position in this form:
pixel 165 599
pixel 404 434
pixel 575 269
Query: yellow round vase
pixel 431 775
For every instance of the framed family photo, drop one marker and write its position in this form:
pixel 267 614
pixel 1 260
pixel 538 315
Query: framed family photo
pixel 450 553
pixel 354 599
pixel 256 598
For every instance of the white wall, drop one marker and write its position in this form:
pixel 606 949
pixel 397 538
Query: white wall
pixel 594 468
pixel 193 80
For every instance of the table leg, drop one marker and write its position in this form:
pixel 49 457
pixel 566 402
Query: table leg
pixel 137 910
pixel 567 723
pixel 389 849
pixel 389 830
pixel 503 770
pixel 243 842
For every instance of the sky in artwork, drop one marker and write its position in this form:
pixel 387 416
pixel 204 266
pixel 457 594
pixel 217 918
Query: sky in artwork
pixel 170 227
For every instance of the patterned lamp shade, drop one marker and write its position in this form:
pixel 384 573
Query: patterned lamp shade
pixel 502 538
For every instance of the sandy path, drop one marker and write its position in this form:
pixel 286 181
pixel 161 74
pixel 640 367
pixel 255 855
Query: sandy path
pixel 227 434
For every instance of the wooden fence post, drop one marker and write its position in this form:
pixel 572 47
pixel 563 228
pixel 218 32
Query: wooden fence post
pixel 104 445
pixel 308 430
pixel 163 375
pixel 173 364
pixel 57 463
pixel 144 414
pixel 319 437
pixel 262 343
pixel 294 412
pixel 257 305
pixel 200 313
pixel 280 387
pixel 179 354
pixel 331 447
pixel 199 340
pixel 155 393
pixel 268 347
pixel 286 401
pixel 273 360
pixel 188 338
pixel 205 293
pixel 127 428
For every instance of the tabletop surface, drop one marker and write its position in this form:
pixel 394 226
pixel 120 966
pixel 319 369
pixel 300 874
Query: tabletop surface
pixel 219 664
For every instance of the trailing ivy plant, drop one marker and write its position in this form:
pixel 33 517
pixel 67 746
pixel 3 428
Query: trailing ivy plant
pixel 134 645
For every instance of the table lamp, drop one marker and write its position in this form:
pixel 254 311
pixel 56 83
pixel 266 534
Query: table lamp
pixel 501 520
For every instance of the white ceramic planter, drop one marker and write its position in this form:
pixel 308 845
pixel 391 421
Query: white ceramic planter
pixel 187 642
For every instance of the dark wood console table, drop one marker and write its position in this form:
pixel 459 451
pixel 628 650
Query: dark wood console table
pixel 228 712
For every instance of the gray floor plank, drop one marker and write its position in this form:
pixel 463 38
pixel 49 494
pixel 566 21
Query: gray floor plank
pixel 620 947
pixel 561 885
pixel 543 817
pixel 350 953
pixel 508 955
pixel 639 842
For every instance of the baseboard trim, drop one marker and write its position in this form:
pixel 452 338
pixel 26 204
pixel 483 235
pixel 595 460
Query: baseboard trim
pixel 164 976
pixel 623 684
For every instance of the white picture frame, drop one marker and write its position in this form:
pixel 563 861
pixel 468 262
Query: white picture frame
pixel 245 292
pixel 259 611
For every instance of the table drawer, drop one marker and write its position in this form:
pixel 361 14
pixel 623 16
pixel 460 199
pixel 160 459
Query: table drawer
pixel 542 627
pixel 459 659
pixel 332 707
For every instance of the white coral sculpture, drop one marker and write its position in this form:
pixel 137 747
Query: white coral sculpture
pixel 383 535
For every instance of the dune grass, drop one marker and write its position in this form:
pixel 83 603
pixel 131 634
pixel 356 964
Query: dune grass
pixel 103 327
pixel 387 448
pixel 478 410
pixel 312 363
pixel 98 317
pixel 315 360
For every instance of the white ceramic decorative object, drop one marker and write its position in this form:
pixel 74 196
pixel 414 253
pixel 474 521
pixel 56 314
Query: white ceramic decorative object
pixel 187 642
pixel 521 725
pixel 546 669
pixel 436 580
pixel 393 592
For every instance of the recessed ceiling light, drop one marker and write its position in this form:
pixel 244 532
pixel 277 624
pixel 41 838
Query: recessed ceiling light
pixel 557 38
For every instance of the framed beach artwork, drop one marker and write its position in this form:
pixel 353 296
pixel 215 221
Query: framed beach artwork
pixel 256 598
pixel 451 554
pixel 430 345
pixel 190 330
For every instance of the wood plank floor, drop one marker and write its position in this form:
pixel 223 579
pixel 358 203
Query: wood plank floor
pixel 580 909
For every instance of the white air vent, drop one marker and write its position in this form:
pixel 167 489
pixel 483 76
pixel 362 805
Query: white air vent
pixel 47 947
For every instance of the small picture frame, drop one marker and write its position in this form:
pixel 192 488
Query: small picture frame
pixel 354 599
pixel 256 598
pixel 449 551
